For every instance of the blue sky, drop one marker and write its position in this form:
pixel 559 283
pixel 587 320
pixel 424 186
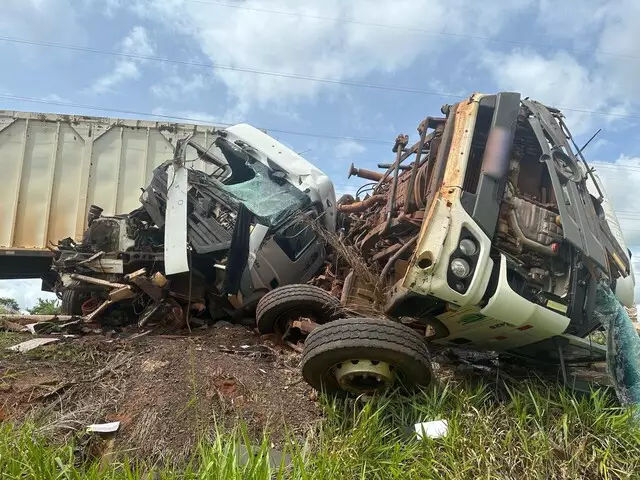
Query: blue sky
pixel 582 55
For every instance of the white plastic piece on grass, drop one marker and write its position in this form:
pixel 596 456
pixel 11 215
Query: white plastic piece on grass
pixel 434 429
pixel 31 344
pixel 104 427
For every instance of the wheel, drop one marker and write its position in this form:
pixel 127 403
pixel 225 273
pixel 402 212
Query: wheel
pixel 72 300
pixel 365 356
pixel 566 166
pixel 293 301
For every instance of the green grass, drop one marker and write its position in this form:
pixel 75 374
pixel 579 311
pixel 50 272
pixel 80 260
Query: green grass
pixel 523 431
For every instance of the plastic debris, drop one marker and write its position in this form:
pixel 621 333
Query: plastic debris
pixel 434 429
pixel 31 344
pixel 104 427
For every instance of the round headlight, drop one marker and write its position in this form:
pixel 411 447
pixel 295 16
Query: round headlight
pixel 460 268
pixel 468 246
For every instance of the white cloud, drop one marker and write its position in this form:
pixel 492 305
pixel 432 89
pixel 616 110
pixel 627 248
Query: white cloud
pixel 347 149
pixel 25 292
pixel 189 116
pixel 177 86
pixel 41 20
pixel 320 48
pixel 54 97
pixel 135 43
pixel 556 79
pixel 621 36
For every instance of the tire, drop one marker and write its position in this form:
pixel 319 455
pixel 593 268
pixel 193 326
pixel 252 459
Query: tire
pixel 72 300
pixel 353 339
pixel 306 299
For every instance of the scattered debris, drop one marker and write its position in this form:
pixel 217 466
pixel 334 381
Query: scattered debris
pixel 32 344
pixel 240 231
pixel 110 427
pixel 277 459
pixel 20 319
pixel 433 429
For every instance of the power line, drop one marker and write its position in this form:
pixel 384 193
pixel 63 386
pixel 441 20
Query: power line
pixel 188 119
pixel 280 74
pixel 617 167
pixel 205 121
pixel 218 66
pixel 404 28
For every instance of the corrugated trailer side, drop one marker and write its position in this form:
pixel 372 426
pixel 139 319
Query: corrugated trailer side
pixel 55 166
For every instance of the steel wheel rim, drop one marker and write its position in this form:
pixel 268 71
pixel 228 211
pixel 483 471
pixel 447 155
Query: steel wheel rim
pixel 364 376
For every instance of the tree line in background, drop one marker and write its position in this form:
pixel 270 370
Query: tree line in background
pixel 43 307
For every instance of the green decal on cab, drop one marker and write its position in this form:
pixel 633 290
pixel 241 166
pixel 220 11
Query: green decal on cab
pixel 467 319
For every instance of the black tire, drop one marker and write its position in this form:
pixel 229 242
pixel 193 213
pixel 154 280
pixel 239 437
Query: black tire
pixel 306 299
pixel 363 338
pixel 72 300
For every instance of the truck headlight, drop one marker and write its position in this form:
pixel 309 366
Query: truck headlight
pixel 468 247
pixel 460 268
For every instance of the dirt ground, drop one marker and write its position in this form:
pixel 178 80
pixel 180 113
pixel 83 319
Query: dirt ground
pixel 165 390
pixel 170 390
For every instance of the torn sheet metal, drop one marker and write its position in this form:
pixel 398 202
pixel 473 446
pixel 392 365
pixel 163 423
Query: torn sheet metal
pixel 175 231
pixel 32 344
pixel 255 240
pixel 106 265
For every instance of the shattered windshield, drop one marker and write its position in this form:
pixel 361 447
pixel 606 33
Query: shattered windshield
pixel 272 200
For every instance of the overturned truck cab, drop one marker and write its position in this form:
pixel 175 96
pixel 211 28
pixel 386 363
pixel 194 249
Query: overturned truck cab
pixel 489 239
pixel 202 244
pixel 513 243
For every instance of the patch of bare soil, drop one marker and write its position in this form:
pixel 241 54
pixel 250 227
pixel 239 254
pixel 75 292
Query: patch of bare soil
pixel 167 391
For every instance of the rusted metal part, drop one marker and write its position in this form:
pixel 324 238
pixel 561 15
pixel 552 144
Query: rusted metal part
pixel 429 122
pixel 96 281
pixel 396 256
pixel 129 277
pixel 364 173
pixel 460 144
pixel 167 312
pixel 305 325
pixel 121 294
pixel 387 166
pixel 405 154
pixel 359 297
pixel 398 148
pixel 148 287
pixel 103 306
pixel 387 252
pixel 363 205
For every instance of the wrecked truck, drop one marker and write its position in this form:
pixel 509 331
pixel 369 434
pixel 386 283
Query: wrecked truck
pixel 201 246
pixel 484 234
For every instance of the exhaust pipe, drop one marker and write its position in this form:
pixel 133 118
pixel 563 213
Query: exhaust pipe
pixel 364 173
pixel 363 205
